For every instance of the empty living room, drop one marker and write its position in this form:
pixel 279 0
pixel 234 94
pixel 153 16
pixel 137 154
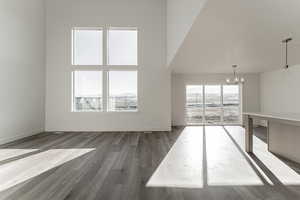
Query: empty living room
pixel 149 100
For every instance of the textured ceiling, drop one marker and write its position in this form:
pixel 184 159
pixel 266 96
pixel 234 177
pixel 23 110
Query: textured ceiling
pixel 242 32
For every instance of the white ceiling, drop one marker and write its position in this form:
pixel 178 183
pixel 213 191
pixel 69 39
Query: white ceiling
pixel 181 15
pixel 243 32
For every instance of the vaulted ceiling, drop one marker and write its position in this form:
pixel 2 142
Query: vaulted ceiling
pixel 243 32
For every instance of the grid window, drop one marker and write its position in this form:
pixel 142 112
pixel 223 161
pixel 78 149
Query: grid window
pixel 103 86
pixel 123 91
pixel 87 92
pixel 87 47
pixel 122 47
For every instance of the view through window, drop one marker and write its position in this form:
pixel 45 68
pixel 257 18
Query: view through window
pixel 213 104
pixel 231 103
pixel 213 108
pixel 194 104
pixel 122 47
pixel 122 91
pixel 87 90
pixel 87 47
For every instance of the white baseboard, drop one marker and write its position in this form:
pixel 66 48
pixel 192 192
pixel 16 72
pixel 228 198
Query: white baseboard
pixel 17 137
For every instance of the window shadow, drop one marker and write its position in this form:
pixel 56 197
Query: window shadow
pixel 277 183
pixel 261 134
pixel 204 162
pixel 18 157
pixel 244 154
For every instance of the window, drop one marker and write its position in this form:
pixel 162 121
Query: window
pixel 122 91
pixel 231 103
pixel 87 47
pixel 194 104
pixel 122 46
pixel 213 104
pixel 87 92
pixel 104 87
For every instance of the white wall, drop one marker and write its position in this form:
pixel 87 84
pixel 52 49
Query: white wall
pixel 181 15
pixel 154 78
pixel 280 90
pixel 22 64
pixel 250 97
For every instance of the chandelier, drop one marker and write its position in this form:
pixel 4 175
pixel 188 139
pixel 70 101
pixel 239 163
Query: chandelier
pixel 235 79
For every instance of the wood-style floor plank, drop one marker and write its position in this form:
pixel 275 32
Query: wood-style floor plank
pixel 117 167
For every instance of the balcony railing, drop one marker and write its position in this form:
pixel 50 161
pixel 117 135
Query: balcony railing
pixel 116 103
pixel 123 103
pixel 88 104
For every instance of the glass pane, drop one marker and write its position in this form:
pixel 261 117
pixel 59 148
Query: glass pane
pixel 213 108
pixel 88 47
pixel 231 103
pixel 87 91
pixel 122 47
pixel 194 104
pixel 123 91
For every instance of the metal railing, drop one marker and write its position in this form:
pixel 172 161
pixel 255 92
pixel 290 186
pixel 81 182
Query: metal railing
pixel 116 103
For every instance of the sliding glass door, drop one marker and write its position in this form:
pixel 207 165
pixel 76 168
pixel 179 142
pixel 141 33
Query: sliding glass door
pixel 213 107
pixel 194 104
pixel 213 104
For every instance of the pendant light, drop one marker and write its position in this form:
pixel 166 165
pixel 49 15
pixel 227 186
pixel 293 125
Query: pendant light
pixel 235 79
pixel 286 41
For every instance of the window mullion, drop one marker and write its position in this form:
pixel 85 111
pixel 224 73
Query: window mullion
pixel 222 105
pixel 204 104
pixel 105 90
pixel 105 46
pixel 105 70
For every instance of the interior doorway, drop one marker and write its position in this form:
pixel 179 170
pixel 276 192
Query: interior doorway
pixel 213 105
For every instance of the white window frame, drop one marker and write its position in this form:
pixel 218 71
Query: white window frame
pixel 104 68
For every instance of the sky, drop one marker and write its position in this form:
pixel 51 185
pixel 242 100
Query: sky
pixel 213 89
pixel 88 49
pixel 122 47
pixel 122 50
pixel 89 83
pixel 121 82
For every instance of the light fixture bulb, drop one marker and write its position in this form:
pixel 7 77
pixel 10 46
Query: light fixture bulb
pixel 228 80
pixel 236 80
pixel 242 80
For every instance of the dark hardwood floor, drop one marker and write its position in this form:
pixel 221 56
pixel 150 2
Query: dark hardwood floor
pixel 114 166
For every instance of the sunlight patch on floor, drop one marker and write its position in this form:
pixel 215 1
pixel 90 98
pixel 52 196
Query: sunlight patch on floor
pixel 6 154
pixel 182 167
pixel 21 170
pixel 223 162
pixel 280 171
pixel 226 165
